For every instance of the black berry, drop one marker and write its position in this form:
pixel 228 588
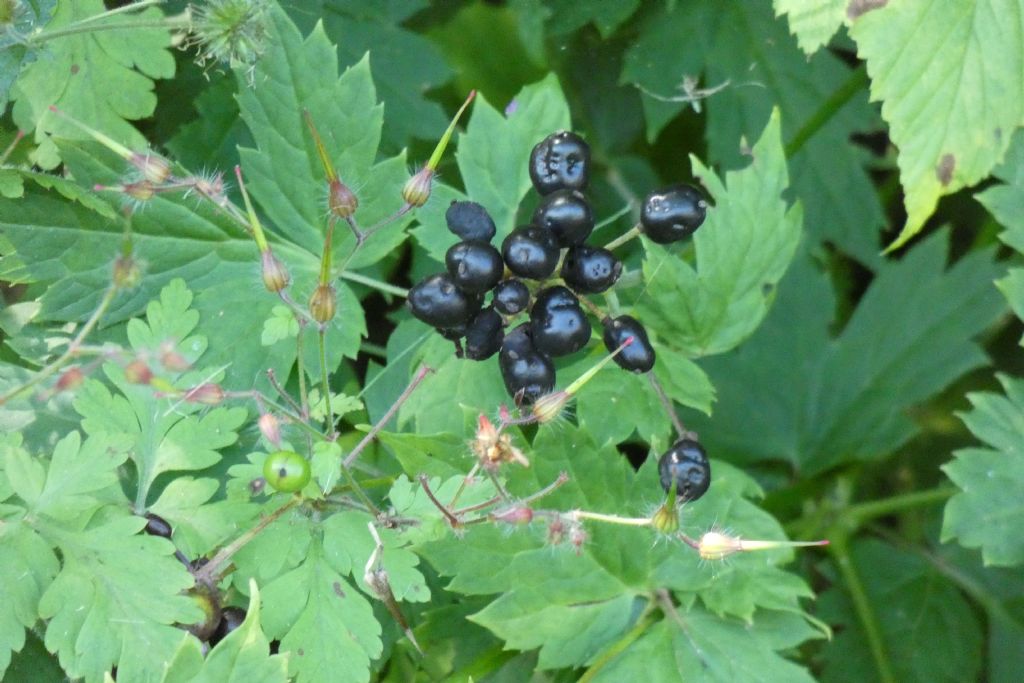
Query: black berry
pixel 484 335
pixel 560 161
pixel 530 252
pixel 470 221
pixel 439 303
pixel 511 297
pixel 527 372
pixel 157 526
pixel 590 269
pixel 673 213
pixel 558 326
pixel 230 619
pixel 639 355
pixel 567 215
pixel 475 267
pixel 687 465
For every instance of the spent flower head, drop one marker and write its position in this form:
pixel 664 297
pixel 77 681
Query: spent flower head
pixel 231 33
pixel 493 447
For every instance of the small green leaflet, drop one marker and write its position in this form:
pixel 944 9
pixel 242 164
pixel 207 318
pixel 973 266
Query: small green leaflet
pixel 813 23
pixel 743 249
pixel 103 77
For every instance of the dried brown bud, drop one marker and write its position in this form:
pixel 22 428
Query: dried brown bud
pixel 322 304
pixel 493 448
pixel 341 200
pixel 517 514
pixel 70 379
pixel 154 168
pixel 206 393
pixel 137 372
pixel 270 427
pixel 275 274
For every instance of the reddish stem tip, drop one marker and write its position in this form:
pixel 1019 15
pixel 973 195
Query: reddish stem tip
pixel 99 188
pixel 629 340
pixel 238 172
pixel 53 108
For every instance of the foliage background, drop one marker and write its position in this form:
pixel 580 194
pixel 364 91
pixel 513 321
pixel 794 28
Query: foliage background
pixel 851 350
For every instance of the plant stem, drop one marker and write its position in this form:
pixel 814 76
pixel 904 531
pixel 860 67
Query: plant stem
pixel 864 512
pixel 180 21
pixel 374 283
pixel 829 108
pixel 452 519
pixel 365 441
pixel 10 148
pixel 618 647
pixel 623 238
pixel 52 368
pixel 207 572
pixel 577 515
pixel 667 405
pixel 303 394
pixel 325 386
pixel 862 605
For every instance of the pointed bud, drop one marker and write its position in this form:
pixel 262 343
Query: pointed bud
pixel 141 191
pixel 137 372
pixel 206 393
pixel 126 272
pixel 211 187
pixel 270 428
pixel 340 200
pixel 666 518
pixel 275 274
pixel 70 379
pixel 716 546
pixel 322 304
pixel 171 360
pixel 578 537
pixel 153 167
pixel 417 189
pixel 556 531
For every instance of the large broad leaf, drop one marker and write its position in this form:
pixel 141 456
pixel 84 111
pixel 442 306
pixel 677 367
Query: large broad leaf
pixel 948 75
pixel 794 393
pixel 751 64
pixel 103 77
pixel 14 55
pixel 928 630
pixel 575 606
pixel 986 513
pixel 743 249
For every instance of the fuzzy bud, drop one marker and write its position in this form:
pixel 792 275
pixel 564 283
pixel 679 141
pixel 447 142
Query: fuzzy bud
pixel 275 274
pixel 137 372
pixel 154 168
pixel 126 272
pixel 517 514
pixel 417 189
pixel 716 546
pixel 270 428
pixel 556 531
pixel 341 200
pixel 549 406
pixel 492 448
pixel 322 304
pixel 140 191
pixel 171 360
pixel 666 518
pixel 578 537
pixel 206 393
pixel 70 379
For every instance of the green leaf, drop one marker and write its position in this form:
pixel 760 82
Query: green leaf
pixel 813 23
pixel 211 138
pixel 77 472
pixel 241 657
pixel 27 566
pixel 794 393
pixel 13 54
pixel 200 525
pixel 743 249
pixel 606 15
pixel 599 590
pixel 284 172
pixel 493 157
pixel 114 601
pixel 1006 203
pixel 948 77
pixel 102 77
pixel 929 631
pixel 986 512
pixel 752 65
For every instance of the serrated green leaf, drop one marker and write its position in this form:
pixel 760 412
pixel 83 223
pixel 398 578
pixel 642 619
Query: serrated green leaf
pixel 77 472
pixel 903 344
pixel 750 66
pixel 743 249
pixel 105 77
pixel 27 566
pixel 948 77
pixel 284 172
pixel 986 512
pixel 200 525
pixel 567 15
pixel 928 629
pixel 813 23
pixel 280 325
pixel 211 139
pixel 435 455
pixel 1006 203
pixel 114 601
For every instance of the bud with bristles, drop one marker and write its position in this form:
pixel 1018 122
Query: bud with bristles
pixel 137 372
pixel 548 407
pixel 577 537
pixel 492 448
pixel 341 201
pixel 716 546
pixel 666 518
pixel 206 393
pixel 275 274
pixel 126 272
pixel 417 190
pixel 171 360
pixel 154 168
pixel 70 379
pixel 556 531
pixel 322 304
pixel 517 514
pixel 270 428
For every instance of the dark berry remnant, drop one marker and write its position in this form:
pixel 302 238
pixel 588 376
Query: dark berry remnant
pixel 470 221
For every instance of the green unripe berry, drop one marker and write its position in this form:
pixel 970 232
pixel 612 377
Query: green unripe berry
pixel 286 471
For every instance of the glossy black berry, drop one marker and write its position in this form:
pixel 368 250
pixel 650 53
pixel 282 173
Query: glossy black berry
pixel 673 213
pixel 557 326
pixel 157 526
pixel 511 297
pixel 687 465
pixel 470 221
pixel 638 356
pixel 439 303
pixel 567 215
pixel 561 161
pixel 590 269
pixel 526 371
pixel 230 619
pixel 530 252
pixel 484 335
pixel 475 267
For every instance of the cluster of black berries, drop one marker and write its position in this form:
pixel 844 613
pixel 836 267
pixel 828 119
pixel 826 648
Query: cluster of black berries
pixel 454 302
